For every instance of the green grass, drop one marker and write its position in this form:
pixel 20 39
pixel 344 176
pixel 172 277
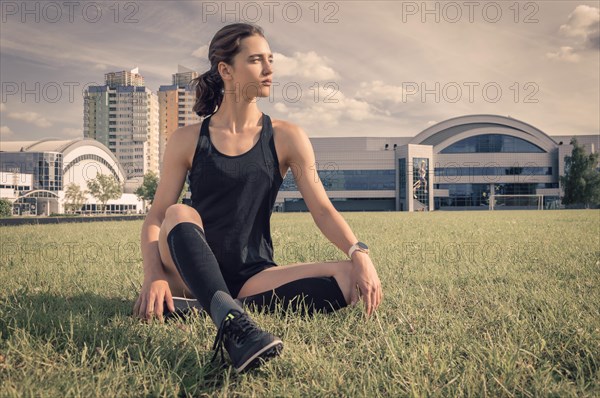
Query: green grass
pixel 492 304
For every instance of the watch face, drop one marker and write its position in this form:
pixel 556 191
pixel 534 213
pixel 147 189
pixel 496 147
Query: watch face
pixel 363 245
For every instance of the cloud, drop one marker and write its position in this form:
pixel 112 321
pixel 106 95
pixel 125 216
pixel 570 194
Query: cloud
pixel 6 132
pixel 581 22
pixel 583 25
pixel 201 52
pixel 566 54
pixel 583 31
pixel 594 40
pixel 377 91
pixel 308 65
pixel 79 53
pixel 281 107
pixel 30 117
pixel 329 114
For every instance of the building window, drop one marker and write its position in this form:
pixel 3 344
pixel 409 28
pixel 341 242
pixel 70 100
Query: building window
pixel 348 180
pixel 478 195
pixel 490 143
pixel 402 177
pixel 420 180
pixel 453 172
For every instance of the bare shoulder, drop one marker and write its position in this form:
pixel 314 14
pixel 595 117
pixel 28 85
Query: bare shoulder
pixel 185 139
pixel 294 140
pixel 189 132
pixel 285 127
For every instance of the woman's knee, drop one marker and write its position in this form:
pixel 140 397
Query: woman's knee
pixel 178 213
pixel 174 215
pixel 343 277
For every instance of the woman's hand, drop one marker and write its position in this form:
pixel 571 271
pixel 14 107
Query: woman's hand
pixel 366 282
pixel 152 296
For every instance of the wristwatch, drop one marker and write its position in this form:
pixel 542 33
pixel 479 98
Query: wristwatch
pixel 360 246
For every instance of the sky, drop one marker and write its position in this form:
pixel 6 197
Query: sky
pixel 341 68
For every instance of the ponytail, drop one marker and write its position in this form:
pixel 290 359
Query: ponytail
pixel 209 93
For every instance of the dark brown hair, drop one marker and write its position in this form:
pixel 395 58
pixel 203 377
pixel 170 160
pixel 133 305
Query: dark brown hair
pixel 223 47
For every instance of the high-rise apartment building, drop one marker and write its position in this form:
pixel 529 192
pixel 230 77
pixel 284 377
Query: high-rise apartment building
pixel 123 115
pixel 175 105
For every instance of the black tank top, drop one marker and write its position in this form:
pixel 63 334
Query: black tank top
pixel 234 196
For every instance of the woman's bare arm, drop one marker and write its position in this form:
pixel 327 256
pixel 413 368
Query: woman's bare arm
pixel 175 165
pixel 302 162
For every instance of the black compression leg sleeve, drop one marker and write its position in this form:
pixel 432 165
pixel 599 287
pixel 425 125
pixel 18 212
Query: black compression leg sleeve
pixel 304 296
pixel 200 270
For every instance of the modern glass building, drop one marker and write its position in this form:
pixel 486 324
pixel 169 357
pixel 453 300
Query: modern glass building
pixel 461 163
pixel 45 168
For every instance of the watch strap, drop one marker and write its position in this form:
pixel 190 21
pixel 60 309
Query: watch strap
pixel 354 248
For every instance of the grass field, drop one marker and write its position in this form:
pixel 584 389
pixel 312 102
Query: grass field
pixel 492 304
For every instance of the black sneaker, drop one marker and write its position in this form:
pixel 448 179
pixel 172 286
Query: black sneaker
pixel 246 343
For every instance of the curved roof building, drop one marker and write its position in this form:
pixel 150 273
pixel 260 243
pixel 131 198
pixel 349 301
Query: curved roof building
pixel 463 163
pixel 452 130
pixel 52 164
pixel 79 159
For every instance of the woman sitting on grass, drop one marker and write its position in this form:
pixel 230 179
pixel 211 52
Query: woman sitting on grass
pixel 219 250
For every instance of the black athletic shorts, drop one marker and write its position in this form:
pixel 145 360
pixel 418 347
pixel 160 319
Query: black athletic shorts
pixel 303 296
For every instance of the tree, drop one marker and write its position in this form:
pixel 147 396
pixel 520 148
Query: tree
pixel 5 208
pixel 147 190
pixel 104 188
pixel 74 197
pixel 183 192
pixel 581 181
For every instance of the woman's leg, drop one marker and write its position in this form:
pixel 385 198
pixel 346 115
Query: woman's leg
pixel 199 270
pixel 274 277
pixel 194 262
pixel 173 216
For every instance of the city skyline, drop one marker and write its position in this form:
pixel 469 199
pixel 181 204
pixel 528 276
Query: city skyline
pixel 534 61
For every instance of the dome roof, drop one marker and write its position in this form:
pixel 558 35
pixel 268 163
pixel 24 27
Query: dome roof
pixel 444 131
pixel 58 145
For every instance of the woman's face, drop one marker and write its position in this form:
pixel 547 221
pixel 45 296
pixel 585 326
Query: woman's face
pixel 251 67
